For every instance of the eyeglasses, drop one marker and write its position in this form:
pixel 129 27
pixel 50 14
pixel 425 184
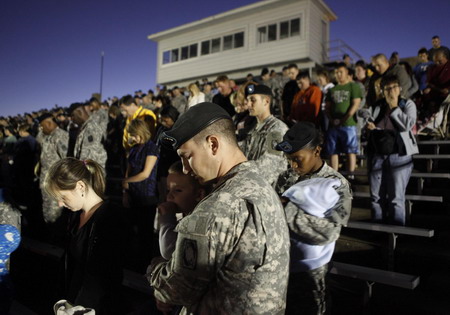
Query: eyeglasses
pixel 389 88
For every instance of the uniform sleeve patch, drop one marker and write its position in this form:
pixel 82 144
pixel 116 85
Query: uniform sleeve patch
pixel 273 139
pixel 90 138
pixel 190 254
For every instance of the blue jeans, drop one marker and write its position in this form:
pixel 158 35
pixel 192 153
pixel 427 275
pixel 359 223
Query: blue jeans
pixel 388 178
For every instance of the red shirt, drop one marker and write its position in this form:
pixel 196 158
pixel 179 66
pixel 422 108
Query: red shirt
pixel 438 78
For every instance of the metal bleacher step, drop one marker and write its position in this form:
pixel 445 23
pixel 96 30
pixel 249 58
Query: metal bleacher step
pixel 432 156
pixel 396 279
pixel 433 142
pixel 387 228
pixel 364 194
pixel 419 157
pixel 413 174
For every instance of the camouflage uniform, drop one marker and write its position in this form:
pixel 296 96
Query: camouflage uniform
pixel 101 117
pixel 89 142
pixel 54 148
pixel 232 252
pixel 315 230
pixel 259 146
pixel 306 291
pixel 10 215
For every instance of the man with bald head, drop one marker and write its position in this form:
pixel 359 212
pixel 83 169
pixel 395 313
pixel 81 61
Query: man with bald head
pixel 382 67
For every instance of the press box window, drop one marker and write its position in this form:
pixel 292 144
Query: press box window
pixel 174 55
pixel 166 57
pixel 205 47
pixel 284 30
pixel 193 50
pixel 272 33
pixel 184 52
pixel 295 27
pixel 215 45
pixel 262 34
pixel 238 40
pixel 228 42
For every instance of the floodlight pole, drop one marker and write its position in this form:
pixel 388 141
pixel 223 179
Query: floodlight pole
pixel 101 74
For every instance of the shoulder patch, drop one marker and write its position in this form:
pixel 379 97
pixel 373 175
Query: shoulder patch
pixel 189 254
pixel 273 138
pixel 90 138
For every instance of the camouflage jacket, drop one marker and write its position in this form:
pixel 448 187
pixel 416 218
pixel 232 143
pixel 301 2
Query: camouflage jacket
pixel 311 229
pixel 89 142
pixel 102 119
pixel 260 145
pixel 232 252
pixel 10 215
pixel 10 221
pixel 53 148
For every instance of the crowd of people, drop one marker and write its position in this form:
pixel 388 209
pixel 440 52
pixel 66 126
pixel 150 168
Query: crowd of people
pixel 225 180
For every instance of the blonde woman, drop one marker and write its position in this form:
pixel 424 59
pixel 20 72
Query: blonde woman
pixel 139 185
pixel 195 95
pixel 97 235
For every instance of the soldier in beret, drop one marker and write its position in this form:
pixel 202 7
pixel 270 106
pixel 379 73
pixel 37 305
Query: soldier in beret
pixel 232 252
pixel 317 202
pixel 54 144
pixel 262 138
pixel 89 139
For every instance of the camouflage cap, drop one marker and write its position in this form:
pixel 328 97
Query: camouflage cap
pixel 297 137
pixel 197 118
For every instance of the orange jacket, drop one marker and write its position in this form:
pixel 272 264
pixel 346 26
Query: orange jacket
pixel 306 105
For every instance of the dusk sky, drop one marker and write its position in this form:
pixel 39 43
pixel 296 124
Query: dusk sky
pixel 50 50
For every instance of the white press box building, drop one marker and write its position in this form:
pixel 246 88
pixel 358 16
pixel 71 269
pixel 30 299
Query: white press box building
pixel 269 33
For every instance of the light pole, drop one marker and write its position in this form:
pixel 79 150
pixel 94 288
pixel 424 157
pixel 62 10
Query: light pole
pixel 101 74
